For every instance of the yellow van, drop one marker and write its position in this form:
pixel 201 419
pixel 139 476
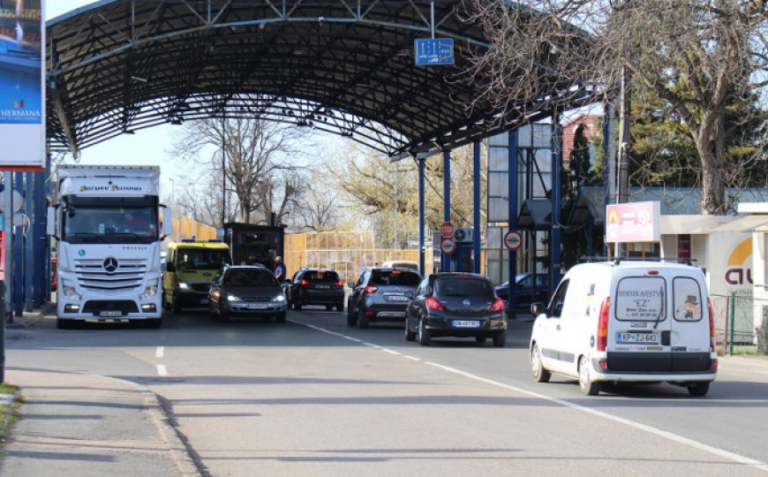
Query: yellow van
pixel 189 270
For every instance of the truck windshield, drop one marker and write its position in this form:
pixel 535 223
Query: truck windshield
pixel 89 224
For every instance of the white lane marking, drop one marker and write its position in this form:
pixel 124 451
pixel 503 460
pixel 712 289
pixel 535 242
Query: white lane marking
pixel 161 371
pixel 159 352
pixel 665 434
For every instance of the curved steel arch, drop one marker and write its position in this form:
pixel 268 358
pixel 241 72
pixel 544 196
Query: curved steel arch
pixel 346 67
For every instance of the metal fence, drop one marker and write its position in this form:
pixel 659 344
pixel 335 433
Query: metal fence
pixel 735 330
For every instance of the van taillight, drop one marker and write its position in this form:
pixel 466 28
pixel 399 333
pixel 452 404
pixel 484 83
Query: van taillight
pixel 602 325
pixel 711 325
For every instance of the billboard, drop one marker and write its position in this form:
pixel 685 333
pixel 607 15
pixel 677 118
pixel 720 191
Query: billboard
pixel 22 85
pixel 633 222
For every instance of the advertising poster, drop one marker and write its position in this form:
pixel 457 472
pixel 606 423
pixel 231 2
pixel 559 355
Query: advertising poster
pixel 22 94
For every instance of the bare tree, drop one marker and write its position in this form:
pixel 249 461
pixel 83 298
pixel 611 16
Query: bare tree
pixel 697 55
pixel 260 167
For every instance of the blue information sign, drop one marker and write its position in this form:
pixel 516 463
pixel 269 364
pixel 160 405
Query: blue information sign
pixel 434 51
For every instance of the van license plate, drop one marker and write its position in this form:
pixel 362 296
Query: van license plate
pixel 466 324
pixel 111 313
pixel 637 338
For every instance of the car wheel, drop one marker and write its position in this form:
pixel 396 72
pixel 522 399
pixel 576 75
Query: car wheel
pixel 362 319
pixel 698 389
pixel 500 340
pixel 328 307
pixel 351 318
pixel 409 335
pixel 588 387
pixel 422 335
pixel 223 314
pixel 540 375
pixel 480 339
pixel 280 317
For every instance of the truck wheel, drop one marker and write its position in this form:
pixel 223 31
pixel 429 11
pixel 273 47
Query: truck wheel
pixel 65 324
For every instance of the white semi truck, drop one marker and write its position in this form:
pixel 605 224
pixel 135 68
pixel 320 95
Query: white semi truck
pixel 109 225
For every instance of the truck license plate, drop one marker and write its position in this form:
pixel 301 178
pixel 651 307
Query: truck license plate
pixel 111 313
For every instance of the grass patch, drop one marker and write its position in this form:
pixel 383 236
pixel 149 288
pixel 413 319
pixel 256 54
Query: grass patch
pixel 8 414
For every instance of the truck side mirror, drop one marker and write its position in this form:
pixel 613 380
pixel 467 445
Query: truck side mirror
pixel 50 225
pixel 167 221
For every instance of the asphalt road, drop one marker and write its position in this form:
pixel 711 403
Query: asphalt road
pixel 313 396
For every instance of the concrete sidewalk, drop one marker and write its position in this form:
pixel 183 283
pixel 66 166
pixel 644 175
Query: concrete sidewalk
pixel 86 425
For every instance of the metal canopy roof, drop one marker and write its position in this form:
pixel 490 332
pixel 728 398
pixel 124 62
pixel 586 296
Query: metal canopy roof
pixel 345 67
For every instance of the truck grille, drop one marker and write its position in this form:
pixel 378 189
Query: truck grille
pixel 110 273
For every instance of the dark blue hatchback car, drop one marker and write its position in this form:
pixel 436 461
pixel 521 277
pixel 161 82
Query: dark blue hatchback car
pixel 531 288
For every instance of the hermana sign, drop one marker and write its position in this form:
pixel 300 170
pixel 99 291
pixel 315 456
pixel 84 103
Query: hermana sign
pixel 22 90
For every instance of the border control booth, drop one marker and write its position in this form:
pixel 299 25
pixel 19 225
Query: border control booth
pixel 262 242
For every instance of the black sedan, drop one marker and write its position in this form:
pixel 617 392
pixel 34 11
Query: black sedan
pixel 459 305
pixel 246 290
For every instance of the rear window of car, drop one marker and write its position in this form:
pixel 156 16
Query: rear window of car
pixel 464 287
pixel 255 277
pixel 640 299
pixel 395 277
pixel 321 276
pixel 688 299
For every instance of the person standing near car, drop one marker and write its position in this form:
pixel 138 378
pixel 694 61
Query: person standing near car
pixel 280 270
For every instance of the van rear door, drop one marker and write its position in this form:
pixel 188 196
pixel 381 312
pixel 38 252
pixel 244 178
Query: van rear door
pixel 639 329
pixel 689 334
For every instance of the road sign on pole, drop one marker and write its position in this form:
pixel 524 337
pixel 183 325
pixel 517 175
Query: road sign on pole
pixel 447 230
pixel 513 240
pixel 448 246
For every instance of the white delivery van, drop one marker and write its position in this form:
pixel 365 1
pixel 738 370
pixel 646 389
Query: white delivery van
pixel 625 321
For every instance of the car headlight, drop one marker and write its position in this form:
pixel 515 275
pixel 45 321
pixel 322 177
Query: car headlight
pixel 233 298
pixel 279 298
pixel 183 286
pixel 149 292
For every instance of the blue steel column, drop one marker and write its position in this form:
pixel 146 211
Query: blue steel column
pixel 41 277
pixel 29 241
pixel 18 254
pixel 512 186
pixel 445 262
pixel 476 224
pixel 46 188
pixel 422 215
pixel 8 235
pixel 557 164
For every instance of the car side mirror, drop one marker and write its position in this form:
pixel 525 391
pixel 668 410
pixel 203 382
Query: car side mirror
pixel 537 307
pixel 351 285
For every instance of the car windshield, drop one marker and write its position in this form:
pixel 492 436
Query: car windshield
pixel 395 277
pixel 193 258
pixel 251 277
pixel 464 287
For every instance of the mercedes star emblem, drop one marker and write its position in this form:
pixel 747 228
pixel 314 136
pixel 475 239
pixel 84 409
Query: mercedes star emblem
pixel 110 264
pixel 466 302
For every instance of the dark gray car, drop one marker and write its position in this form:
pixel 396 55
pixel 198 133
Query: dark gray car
pixel 380 294
pixel 246 290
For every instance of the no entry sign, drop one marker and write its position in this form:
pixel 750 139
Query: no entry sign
pixel 513 240
pixel 448 246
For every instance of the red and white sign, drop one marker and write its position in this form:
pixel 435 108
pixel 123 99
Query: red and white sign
pixel 448 246
pixel 633 222
pixel 447 230
pixel 513 240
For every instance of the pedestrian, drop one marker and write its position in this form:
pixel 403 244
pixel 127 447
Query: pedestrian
pixel 280 271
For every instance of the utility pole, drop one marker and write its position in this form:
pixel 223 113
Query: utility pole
pixel 223 171
pixel 625 145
